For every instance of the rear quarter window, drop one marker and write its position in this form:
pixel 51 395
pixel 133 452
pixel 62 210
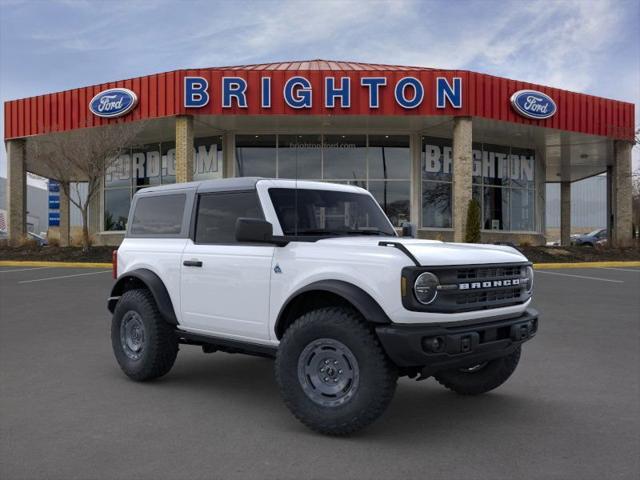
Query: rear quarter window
pixel 159 215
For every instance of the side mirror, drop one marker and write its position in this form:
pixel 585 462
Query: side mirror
pixel 408 230
pixel 256 230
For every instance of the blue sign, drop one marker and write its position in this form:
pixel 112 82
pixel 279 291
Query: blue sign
pixel 54 187
pixel 533 104
pixel 54 219
pixel 54 203
pixel 114 102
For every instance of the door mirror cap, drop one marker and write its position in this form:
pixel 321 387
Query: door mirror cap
pixel 256 230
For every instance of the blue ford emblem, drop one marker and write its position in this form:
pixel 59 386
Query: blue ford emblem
pixel 533 104
pixel 114 102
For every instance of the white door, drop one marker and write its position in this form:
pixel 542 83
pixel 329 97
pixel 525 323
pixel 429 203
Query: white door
pixel 225 284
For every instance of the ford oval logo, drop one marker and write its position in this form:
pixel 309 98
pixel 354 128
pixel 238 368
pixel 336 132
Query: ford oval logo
pixel 114 102
pixel 533 104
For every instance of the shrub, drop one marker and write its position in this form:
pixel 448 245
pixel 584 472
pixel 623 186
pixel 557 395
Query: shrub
pixel 472 234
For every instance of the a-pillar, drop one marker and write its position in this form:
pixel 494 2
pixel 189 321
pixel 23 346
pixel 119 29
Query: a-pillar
pixel 565 213
pixel 621 186
pixel 184 148
pixel 16 191
pixel 462 174
pixel 65 215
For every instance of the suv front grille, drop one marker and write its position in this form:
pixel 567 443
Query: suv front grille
pixel 492 272
pixel 471 288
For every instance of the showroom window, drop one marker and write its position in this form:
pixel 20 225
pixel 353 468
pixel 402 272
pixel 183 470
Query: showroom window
pixel 503 184
pixel 437 175
pixel 380 163
pixel 152 164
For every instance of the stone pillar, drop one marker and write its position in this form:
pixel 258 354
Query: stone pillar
pixel 16 191
pixel 184 148
pixel 565 213
pixel 416 179
pixel 462 174
pixel 621 183
pixel 228 155
pixel 65 215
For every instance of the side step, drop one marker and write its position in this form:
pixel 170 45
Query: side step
pixel 212 344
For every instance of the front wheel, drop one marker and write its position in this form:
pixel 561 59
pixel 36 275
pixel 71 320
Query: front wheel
pixel 481 378
pixel 332 372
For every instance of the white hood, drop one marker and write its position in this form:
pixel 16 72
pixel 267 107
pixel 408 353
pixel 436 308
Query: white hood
pixel 436 253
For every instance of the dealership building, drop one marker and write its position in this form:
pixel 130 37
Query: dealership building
pixel 423 141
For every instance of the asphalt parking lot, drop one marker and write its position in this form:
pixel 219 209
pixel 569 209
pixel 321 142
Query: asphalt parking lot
pixel 571 410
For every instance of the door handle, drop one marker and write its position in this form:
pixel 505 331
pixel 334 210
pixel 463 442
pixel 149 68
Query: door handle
pixel 192 263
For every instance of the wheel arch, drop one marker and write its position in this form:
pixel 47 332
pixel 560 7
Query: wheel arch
pixel 326 293
pixel 144 278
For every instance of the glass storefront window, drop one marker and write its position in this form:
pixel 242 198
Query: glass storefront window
pixel 256 156
pixel 394 198
pixel 503 183
pixel 522 167
pixel 116 208
pixel 207 158
pixel 300 156
pixel 496 208
pixel 389 157
pixel 118 174
pixel 522 210
pixel 436 204
pixel 168 162
pixel 345 157
pixel 437 161
pixel 146 163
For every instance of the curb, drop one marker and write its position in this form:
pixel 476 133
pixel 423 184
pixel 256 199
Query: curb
pixel 28 263
pixel 538 266
pixel 543 266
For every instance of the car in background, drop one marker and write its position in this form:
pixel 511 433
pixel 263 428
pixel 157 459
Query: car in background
pixel 590 239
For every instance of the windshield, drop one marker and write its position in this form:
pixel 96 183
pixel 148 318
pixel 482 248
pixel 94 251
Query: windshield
pixel 328 213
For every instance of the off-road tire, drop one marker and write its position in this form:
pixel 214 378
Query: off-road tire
pixel 160 346
pixel 377 375
pixel 490 376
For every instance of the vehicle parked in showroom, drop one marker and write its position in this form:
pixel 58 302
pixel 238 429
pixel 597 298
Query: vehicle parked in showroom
pixel 590 239
pixel 314 275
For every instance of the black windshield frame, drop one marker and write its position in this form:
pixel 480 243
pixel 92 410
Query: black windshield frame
pixel 308 214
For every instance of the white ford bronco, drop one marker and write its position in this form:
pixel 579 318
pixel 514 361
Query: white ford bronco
pixel 314 275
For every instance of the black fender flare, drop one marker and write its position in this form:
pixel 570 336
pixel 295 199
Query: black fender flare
pixel 356 296
pixel 154 284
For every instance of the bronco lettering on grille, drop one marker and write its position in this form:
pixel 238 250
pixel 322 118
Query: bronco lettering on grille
pixel 490 284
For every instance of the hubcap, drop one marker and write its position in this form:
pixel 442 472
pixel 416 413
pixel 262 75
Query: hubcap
pixel 328 372
pixel 132 335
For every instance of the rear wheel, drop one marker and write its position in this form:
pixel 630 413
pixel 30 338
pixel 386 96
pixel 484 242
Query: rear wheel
pixel 144 345
pixel 332 372
pixel 480 378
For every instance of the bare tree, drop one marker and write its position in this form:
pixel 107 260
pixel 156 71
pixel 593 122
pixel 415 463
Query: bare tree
pixel 82 156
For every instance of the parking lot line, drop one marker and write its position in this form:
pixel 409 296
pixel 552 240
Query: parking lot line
pixel 64 276
pixel 23 269
pixel 581 276
pixel 622 269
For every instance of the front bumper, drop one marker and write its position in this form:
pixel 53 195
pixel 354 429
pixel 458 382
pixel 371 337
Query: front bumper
pixel 448 346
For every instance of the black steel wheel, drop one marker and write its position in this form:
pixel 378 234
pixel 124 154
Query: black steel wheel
pixel 332 372
pixel 144 345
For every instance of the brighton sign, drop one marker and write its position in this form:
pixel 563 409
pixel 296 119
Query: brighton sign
pixel 533 104
pixel 298 93
pixel 113 103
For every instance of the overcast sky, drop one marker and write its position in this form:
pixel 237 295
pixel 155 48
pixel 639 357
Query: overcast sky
pixel 581 45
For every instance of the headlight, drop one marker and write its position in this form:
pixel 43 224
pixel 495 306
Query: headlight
pixel 426 288
pixel 529 276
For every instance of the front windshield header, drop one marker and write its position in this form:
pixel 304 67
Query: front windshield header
pixel 328 213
